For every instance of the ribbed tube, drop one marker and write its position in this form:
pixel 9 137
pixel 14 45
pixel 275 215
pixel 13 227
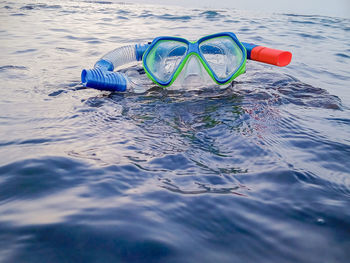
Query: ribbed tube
pixel 121 56
pixel 103 80
pixel 103 77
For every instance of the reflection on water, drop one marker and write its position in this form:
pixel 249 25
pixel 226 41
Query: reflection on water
pixel 254 172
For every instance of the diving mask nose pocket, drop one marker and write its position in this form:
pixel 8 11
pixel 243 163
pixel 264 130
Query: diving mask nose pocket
pixel 193 74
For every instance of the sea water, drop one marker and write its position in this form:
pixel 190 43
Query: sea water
pixel 257 172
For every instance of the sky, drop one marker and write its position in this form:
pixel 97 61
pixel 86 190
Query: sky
pixel 337 8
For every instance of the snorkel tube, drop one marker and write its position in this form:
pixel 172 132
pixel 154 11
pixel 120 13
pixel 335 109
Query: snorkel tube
pixel 102 76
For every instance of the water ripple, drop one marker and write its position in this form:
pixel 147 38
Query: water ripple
pixel 40 6
pixel 172 17
pixel 10 67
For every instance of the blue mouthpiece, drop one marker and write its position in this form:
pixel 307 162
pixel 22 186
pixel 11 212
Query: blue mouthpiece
pixel 101 79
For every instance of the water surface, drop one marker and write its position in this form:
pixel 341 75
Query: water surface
pixel 258 172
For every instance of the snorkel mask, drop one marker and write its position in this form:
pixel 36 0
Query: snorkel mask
pixel 171 61
pixel 214 59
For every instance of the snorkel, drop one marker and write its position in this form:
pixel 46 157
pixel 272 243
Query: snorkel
pixel 103 76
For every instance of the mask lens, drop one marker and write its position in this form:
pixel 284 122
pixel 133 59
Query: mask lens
pixel 164 58
pixel 223 55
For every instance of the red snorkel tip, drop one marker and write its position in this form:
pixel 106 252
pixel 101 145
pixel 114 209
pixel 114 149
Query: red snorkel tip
pixel 271 56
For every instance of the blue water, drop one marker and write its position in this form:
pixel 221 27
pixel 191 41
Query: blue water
pixel 258 172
